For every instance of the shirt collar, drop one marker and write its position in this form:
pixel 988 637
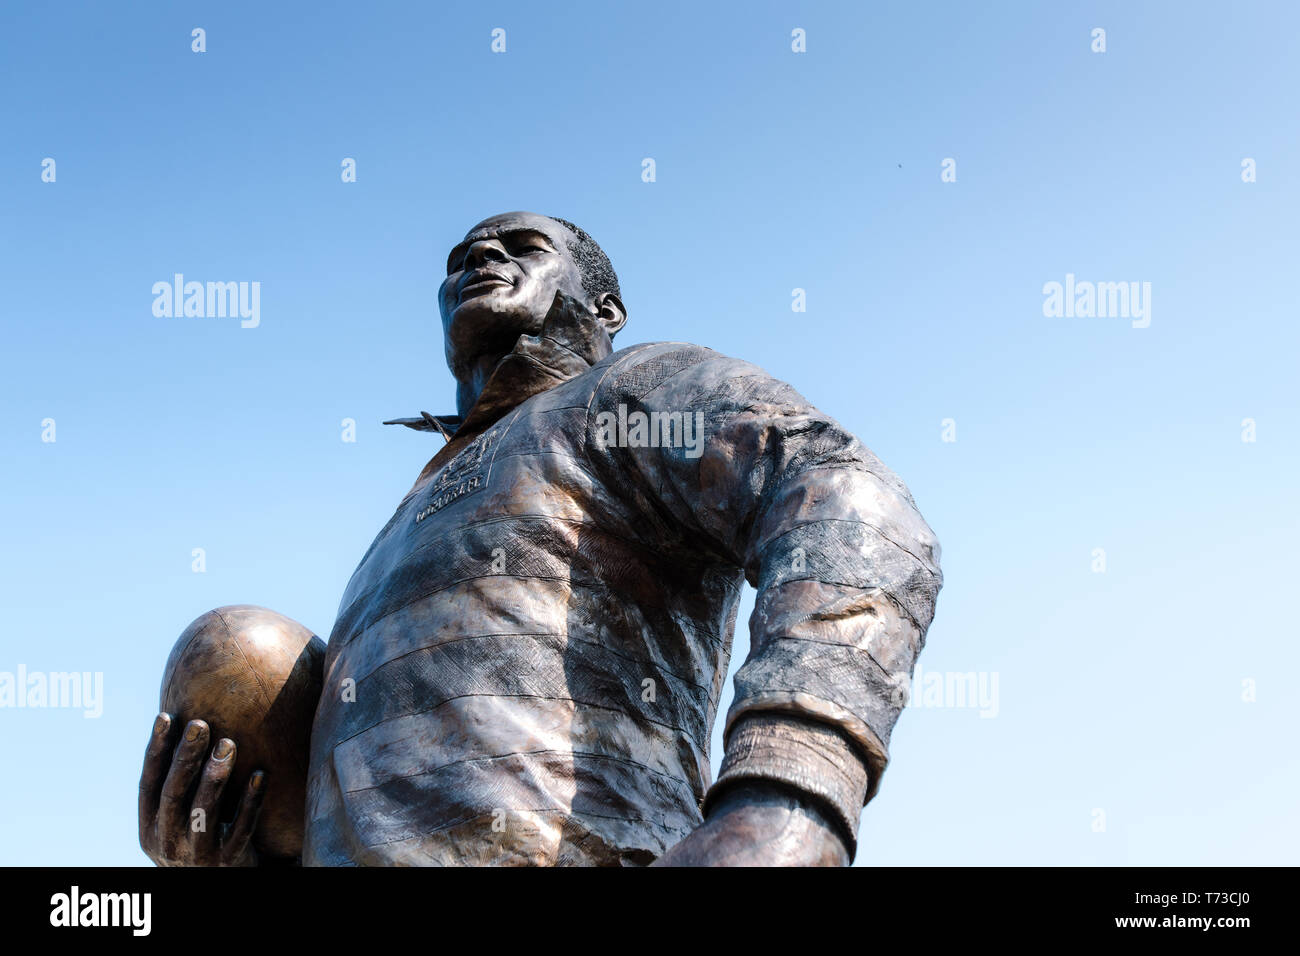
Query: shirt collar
pixel 571 341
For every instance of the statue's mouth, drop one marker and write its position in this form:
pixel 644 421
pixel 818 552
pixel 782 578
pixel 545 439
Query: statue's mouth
pixel 480 282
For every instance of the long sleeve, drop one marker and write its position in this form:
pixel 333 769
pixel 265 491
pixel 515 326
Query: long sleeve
pixel 846 569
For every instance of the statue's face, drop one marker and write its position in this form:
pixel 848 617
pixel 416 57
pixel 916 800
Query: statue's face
pixel 501 280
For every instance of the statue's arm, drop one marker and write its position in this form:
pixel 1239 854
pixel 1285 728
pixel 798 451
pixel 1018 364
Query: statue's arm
pixel 847 577
pixel 762 820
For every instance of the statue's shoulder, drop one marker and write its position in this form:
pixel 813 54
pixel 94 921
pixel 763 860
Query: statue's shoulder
pixel 666 356
pixel 674 374
pixel 646 350
pixel 648 364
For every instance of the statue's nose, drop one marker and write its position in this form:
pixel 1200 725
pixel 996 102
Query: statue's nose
pixel 485 250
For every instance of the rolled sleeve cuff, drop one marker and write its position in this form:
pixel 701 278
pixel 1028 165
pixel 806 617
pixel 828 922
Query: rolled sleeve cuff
pixel 811 757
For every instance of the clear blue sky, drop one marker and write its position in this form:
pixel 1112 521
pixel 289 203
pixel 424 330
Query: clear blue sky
pixel 1118 691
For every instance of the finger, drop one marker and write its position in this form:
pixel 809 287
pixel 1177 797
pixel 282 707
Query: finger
pixel 173 807
pixel 216 772
pixel 241 831
pixel 156 757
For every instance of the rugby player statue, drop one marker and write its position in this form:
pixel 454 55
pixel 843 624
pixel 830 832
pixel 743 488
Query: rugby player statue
pixel 527 663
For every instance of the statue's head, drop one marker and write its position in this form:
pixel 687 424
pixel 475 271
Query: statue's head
pixel 502 278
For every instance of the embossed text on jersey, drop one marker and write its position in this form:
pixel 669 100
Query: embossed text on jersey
pixel 461 476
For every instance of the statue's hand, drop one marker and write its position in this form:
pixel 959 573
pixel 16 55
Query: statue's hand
pixel 756 824
pixel 171 832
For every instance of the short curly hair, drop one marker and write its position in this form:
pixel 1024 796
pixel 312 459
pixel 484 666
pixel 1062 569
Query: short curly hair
pixel 597 271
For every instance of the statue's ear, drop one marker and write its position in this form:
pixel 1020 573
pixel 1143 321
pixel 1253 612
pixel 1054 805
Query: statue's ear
pixel 610 311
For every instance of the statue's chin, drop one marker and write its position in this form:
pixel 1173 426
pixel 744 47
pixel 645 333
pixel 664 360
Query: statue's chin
pixel 487 325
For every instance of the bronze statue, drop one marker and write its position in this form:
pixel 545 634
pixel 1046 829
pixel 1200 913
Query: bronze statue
pixel 527 662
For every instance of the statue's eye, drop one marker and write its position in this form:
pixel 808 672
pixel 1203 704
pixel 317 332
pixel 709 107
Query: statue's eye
pixel 528 247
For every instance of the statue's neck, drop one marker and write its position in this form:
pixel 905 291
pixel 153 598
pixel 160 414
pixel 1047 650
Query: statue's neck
pixel 469 390
pixel 571 340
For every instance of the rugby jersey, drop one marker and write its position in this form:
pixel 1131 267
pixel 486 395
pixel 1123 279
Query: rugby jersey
pixel 527 662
